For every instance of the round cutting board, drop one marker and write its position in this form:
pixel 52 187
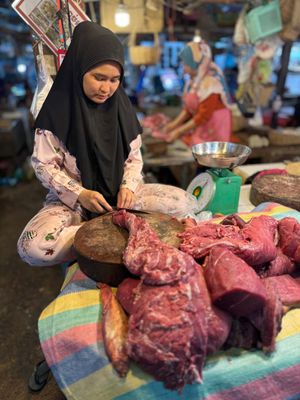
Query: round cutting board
pixel 282 189
pixel 100 244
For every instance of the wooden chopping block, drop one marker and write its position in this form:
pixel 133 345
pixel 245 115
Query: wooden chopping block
pixel 282 189
pixel 100 244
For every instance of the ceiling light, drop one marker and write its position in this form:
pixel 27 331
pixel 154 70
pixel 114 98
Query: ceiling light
pixel 122 17
pixel 197 37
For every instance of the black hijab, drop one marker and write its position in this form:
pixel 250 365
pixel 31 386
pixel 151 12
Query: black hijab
pixel 98 135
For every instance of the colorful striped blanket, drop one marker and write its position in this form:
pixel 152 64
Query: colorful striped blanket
pixel 70 336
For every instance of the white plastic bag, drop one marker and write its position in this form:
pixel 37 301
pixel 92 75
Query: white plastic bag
pixel 44 83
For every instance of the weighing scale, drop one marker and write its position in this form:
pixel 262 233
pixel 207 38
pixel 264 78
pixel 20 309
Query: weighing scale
pixel 218 189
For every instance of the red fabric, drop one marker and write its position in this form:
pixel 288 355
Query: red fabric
pixel 206 109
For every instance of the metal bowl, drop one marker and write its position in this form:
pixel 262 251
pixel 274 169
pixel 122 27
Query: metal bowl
pixel 220 154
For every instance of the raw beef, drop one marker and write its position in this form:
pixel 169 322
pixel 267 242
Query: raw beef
pixel 148 257
pixel 288 289
pixel 155 123
pixel 282 264
pixel 168 327
pixel 126 293
pixel 259 239
pixel 233 285
pixel 219 326
pixel 114 330
pixel 268 320
pixel 198 240
pixel 289 238
pixel 255 242
pixel 167 333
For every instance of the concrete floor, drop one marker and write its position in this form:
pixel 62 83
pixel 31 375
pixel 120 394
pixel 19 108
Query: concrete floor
pixel 24 292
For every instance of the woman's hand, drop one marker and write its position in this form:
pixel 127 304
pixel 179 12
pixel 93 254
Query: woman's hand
pixel 168 127
pixel 126 198
pixel 172 136
pixel 93 201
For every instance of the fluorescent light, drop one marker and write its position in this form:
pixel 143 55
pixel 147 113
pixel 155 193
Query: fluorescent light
pixel 122 17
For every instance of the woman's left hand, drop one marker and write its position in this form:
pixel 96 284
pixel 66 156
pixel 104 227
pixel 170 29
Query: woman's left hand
pixel 126 198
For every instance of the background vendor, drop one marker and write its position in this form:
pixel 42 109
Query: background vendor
pixel 206 115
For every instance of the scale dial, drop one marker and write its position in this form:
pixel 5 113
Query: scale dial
pixel 203 188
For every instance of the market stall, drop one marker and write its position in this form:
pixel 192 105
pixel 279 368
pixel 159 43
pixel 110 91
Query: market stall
pixel 187 95
pixel 71 334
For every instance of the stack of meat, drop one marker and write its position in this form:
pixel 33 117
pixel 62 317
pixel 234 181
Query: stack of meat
pixel 180 311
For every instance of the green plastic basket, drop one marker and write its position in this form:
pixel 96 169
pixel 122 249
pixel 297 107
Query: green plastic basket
pixel 264 21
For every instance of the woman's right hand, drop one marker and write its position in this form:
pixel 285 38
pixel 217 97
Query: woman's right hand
pixel 168 127
pixel 93 201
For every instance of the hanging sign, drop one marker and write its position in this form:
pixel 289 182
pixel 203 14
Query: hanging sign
pixel 41 16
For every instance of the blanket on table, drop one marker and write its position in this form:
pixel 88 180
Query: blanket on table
pixel 71 340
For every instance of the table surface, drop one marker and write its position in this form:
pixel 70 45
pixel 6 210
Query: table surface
pixel 177 154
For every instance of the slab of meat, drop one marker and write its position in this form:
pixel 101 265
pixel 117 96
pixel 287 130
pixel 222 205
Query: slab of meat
pixel 219 322
pixel 268 320
pixel 255 242
pixel 167 333
pixel 168 327
pixel 289 238
pixel 114 330
pixel 198 240
pixel 219 327
pixel 126 293
pixel 288 289
pixel 233 285
pixel 148 257
pixel 281 265
pixel 259 240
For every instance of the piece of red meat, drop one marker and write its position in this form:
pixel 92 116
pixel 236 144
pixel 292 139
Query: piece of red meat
pixel 255 243
pixel 114 330
pixel 259 240
pixel 219 327
pixel 233 285
pixel 126 293
pixel 198 240
pixel 167 333
pixel 281 265
pixel 168 326
pixel 287 288
pixel 268 320
pixel 289 238
pixel 148 257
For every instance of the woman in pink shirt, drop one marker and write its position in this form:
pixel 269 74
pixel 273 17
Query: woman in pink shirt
pixel 87 150
pixel 205 115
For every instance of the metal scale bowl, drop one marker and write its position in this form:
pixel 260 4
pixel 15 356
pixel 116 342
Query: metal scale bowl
pixel 218 189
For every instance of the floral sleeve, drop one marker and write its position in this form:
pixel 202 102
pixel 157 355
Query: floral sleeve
pixel 55 167
pixel 133 166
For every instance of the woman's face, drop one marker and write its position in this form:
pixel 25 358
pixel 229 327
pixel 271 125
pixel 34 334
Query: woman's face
pixel 101 82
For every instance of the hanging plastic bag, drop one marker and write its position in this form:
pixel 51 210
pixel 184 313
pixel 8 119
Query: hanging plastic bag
pixel 44 83
pixel 240 35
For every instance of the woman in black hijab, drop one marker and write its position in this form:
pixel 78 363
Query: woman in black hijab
pixel 88 110
pixel 87 149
